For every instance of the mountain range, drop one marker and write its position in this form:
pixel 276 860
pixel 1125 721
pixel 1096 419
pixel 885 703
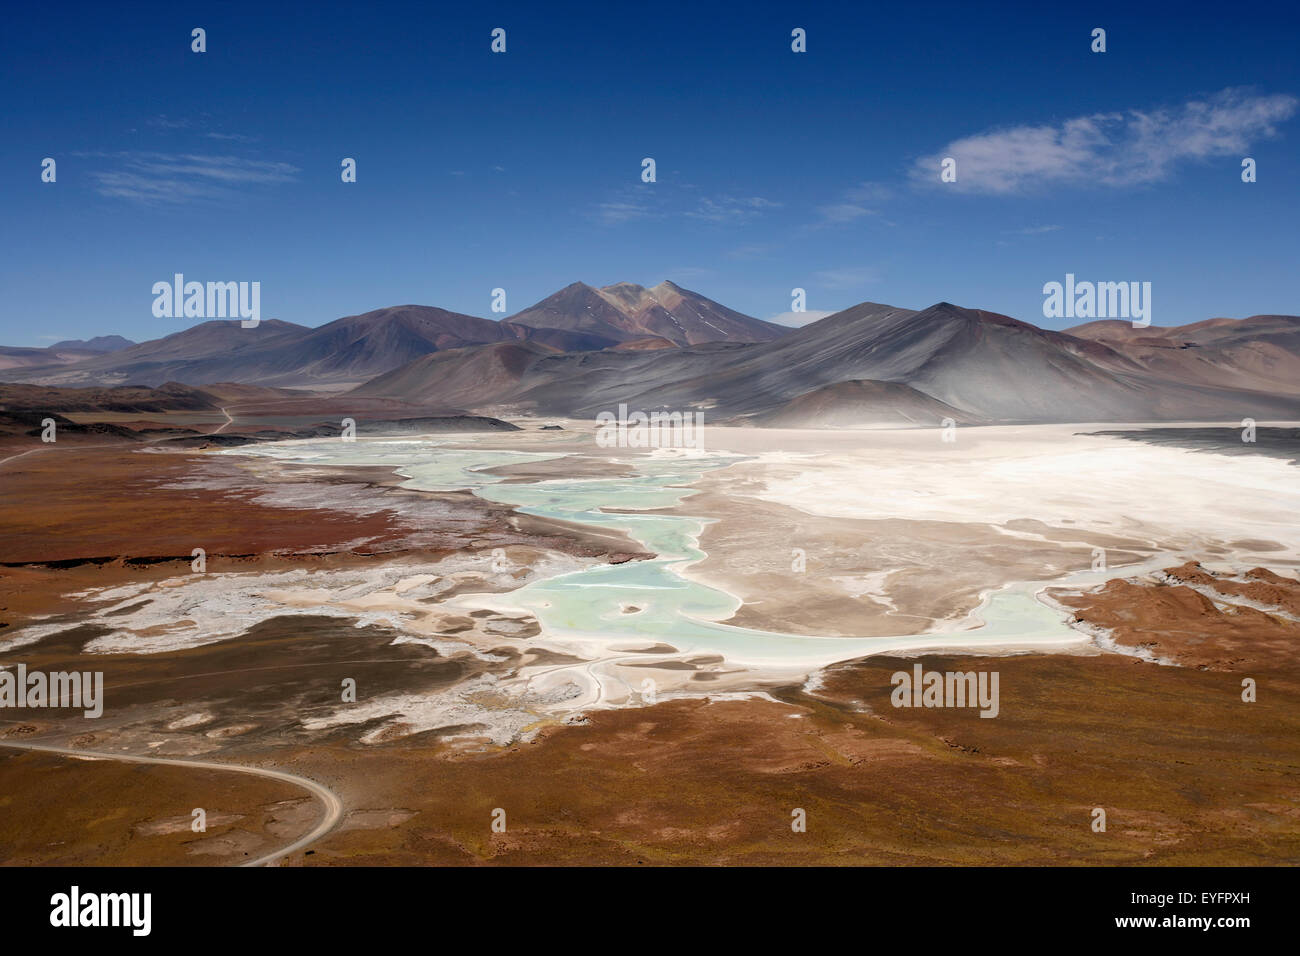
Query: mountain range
pixel 67 352
pixel 356 348
pixel 980 366
pixel 584 350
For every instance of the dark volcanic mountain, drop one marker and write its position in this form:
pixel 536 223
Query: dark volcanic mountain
pixel 861 404
pixel 359 347
pixel 461 378
pixel 983 365
pixel 625 311
pixel 356 348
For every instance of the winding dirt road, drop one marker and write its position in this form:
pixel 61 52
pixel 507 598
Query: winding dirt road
pixel 229 421
pixel 332 804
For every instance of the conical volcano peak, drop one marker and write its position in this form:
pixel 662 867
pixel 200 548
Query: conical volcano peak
pixel 624 311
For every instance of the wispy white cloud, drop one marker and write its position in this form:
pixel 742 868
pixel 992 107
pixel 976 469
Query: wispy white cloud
pixel 1110 149
pixel 730 208
pixel 170 122
pixel 752 250
pixel 852 204
pixel 659 201
pixel 175 178
pixel 847 278
pixel 835 213
pixel 613 212
pixel 196 125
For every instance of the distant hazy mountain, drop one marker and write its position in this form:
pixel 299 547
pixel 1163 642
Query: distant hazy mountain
pixel 980 365
pixel 215 351
pixel 19 357
pixel 1200 333
pixel 356 348
pixel 1261 352
pixel 60 353
pixel 625 311
pixel 100 343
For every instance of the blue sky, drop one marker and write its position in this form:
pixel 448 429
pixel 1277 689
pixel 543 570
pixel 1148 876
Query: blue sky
pixel 522 170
